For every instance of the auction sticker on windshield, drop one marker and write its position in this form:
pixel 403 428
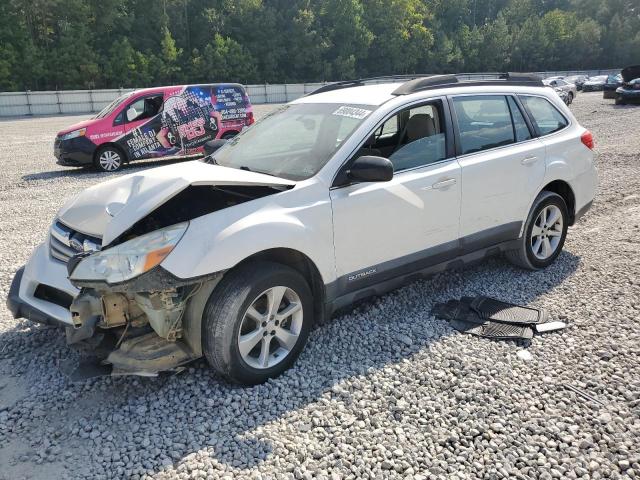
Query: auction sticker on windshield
pixel 352 112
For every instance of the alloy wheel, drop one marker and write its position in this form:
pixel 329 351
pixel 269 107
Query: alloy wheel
pixel 270 327
pixel 546 233
pixel 110 160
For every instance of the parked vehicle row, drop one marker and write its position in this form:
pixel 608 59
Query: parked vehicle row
pixel 154 123
pixel 340 195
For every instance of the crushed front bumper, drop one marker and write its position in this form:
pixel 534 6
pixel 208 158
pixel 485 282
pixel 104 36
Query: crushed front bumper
pixel 38 290
pixel 142 327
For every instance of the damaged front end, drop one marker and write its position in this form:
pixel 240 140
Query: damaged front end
pixel 138 328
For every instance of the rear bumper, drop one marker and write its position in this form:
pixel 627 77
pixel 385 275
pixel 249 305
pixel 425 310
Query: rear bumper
pixel 41 269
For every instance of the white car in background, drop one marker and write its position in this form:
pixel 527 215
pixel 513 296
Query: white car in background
pixel 338 196
pixel 560 85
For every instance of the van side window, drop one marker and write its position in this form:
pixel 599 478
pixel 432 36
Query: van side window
pixel 484 122
pixel 412 138
pixel 119 120
pixel 544 115
pixel 519 124
pixel 146 107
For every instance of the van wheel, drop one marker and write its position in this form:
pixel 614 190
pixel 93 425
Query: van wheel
pixel 229 135
pixel 256 322
pixel 108 159
pixel 544 233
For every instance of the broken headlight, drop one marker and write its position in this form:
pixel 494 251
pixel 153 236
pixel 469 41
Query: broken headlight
pixel 130 259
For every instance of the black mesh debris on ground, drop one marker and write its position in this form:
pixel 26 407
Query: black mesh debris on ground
pixel 491 318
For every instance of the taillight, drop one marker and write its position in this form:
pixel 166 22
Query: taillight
pixel 250 119
pixel 587 140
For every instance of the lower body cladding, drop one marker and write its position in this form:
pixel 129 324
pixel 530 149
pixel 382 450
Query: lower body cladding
pixel 144 327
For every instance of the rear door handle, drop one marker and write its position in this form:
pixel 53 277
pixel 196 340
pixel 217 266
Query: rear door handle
pixel 444 183
pixel 529 160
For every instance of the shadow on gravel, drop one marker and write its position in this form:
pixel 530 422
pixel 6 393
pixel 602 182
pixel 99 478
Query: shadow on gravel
pixel 131 426
pixel 88 172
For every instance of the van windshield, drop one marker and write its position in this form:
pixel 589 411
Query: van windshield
pixel 295 141
pixel 112 106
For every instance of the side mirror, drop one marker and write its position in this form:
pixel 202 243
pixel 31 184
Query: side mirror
pixel 212 145
pixel 369 168
pixel 132 114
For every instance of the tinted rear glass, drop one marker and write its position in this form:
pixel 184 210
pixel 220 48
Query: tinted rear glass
pixel 484 122
pixel 544 115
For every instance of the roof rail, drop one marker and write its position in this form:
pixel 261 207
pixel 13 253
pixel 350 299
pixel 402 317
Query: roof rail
pixel 360 82
pixel 420 82
pixel 480 79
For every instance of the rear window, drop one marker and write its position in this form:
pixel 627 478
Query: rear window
pixel 544 115
pixel 484 122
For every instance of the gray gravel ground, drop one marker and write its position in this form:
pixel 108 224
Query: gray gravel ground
pixel 382 391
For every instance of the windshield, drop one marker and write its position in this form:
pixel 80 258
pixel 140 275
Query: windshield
pixel 295 141
pixel 112 106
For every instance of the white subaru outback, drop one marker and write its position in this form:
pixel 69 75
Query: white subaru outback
pixel 343 194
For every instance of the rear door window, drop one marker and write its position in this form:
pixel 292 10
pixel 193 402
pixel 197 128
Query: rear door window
pixel 484 122
pixel 544 115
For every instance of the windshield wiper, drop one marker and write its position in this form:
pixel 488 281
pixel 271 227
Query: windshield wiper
pixel 247 169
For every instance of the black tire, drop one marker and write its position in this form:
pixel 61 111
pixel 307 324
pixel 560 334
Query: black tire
pixel 570 98
pixel 225 310
pixel 523 256
pixel 619 101
pixel 228 135
pixel 101 158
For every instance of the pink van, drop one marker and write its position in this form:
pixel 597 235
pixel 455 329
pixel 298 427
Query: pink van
pixel 154 123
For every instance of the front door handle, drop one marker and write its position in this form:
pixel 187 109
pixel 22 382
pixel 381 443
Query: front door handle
pixel 444 183
pixel 529 160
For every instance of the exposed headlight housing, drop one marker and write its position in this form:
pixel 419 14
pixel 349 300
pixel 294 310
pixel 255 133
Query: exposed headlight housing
pixel 76 133
pixel 130 259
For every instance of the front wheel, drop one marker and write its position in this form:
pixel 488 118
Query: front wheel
pixel 544 233
pixel 256 322
pixel 108 159
pixel 570 98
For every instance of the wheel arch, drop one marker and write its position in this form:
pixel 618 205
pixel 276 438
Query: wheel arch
pixel 298 261
pixel 301 263
pixel 563 189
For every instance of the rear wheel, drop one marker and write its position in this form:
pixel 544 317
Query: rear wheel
pixel 108 159
pixel 544 233
pixel 256 322
pixel 570 98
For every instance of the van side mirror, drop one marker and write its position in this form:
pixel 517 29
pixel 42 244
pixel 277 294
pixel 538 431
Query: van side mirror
pixel 369 168
pixel 213 145
pixel 132 114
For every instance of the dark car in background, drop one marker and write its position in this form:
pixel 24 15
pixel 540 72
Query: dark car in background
pixel 594 84
pixel 629 91
pixel 611 85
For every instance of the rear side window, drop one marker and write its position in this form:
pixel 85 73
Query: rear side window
pixel 484 122
pixel 544 115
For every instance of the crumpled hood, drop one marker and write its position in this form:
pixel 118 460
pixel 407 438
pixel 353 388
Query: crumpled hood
pixel 110 208
pixel 630 73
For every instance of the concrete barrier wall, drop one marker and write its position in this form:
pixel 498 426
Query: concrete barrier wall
pixel 15 104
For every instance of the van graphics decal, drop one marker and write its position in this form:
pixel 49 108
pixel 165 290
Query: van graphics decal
pixel 189 117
